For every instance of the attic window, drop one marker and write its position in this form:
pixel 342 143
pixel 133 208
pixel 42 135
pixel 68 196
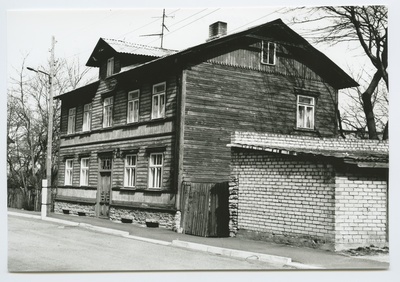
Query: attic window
pixel 110 66
pixel 268 53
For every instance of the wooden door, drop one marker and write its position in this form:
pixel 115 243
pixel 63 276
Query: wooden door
pixel 206 209
pixel 104 186
pixel 104 194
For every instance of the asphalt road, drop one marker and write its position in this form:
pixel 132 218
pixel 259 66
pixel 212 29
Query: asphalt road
pixel 40 246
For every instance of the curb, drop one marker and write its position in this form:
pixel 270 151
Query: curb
pixel 233 253
pixel 24 215
pixel 182 244
pixel 153 241
pixel 111 231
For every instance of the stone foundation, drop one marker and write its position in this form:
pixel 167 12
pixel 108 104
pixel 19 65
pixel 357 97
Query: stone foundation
pixel 74 208
pixel 164 219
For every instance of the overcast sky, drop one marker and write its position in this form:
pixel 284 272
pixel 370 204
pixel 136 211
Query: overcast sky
pixel 78 30
pixel 28 25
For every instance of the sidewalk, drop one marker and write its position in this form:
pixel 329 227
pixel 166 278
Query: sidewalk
pixel 290 256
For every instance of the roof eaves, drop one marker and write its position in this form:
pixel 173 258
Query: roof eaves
pixel 362 159
pixel 86 88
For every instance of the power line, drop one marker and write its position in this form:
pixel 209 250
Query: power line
pixel 188 24
pixel 145 25
pixel 257 19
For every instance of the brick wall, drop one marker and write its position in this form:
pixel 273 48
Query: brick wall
pixel 312 202
pixel 361 208
pixel 284 198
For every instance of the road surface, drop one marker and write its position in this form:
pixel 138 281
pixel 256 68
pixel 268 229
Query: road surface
pixel 40 246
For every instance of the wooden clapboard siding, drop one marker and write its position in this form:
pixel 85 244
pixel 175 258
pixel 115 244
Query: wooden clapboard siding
pixel 147 133
pixel 120 93
pixel 249 57
pixel 221 99
pixel 118 163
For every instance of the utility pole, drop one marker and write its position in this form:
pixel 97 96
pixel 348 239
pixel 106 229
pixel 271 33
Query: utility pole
pixel 46 192
pixel 46 183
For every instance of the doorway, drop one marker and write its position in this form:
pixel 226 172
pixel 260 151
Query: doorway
pixel 104 187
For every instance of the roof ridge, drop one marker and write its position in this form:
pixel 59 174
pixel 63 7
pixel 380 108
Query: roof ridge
pixel 136 44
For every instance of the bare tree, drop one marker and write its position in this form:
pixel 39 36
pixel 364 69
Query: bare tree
pixel 366 25
pixel 27 123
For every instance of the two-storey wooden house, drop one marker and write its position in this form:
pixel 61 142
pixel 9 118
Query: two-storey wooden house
pixel 156 117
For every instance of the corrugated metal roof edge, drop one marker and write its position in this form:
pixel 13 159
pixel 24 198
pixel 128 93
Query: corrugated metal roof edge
pixel 376 159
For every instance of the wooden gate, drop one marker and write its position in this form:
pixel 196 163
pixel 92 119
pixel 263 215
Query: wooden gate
pixel 205 209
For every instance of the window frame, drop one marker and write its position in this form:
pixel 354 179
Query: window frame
pixel 87 117
pixel 302 124
pixel 110 66
pixel 160 111
pixel 130 116
pixel 86 168
pixel 71 125
pixel 152 182
pixel 268 62
pixel 69 170
pixel 108 111
pixel 130 168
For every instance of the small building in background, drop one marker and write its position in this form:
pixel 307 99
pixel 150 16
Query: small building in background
pixel 318 192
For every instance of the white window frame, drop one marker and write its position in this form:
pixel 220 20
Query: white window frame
pixel 110 66
pixel 158 101
pixel 84 175
pixel 271 58
pixel 71 120
pixel 130 171
pixel 108 111
pixel 307 121
pixel 69 171
pixel 133 106
pixel 156 170
pixel 87 117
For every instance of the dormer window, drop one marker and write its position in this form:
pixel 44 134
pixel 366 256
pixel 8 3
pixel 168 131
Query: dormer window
pixel 268 53
pixel 110 66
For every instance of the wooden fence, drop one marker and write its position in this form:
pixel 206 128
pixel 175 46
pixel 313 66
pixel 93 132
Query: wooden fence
pixel 205 209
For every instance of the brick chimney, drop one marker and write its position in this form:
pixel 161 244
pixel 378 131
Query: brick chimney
pixel 217 30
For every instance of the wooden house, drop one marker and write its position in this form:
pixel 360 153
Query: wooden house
pixel 158 121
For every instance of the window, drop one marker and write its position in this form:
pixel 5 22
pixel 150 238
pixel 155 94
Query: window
pixel 130 171
pixel 69 165
pixel 268 53
pixel 105 164
pixel 158 110
pixel 305 112
pixel 107 111
pixel 155 170
pixel 84 171
pixel 71 121
pixel 133 106
pixel 87 117
pixel 110 66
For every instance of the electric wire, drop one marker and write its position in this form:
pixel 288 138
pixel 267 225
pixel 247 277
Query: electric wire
pixel 187 24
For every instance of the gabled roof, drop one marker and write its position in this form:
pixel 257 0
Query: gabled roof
pixel 364 153
pixel 275 31
pixel 123 47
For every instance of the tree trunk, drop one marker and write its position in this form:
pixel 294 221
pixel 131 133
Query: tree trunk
pixel 386 132
pixel 368 107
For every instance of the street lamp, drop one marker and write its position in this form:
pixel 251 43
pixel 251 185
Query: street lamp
pixel 46 195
